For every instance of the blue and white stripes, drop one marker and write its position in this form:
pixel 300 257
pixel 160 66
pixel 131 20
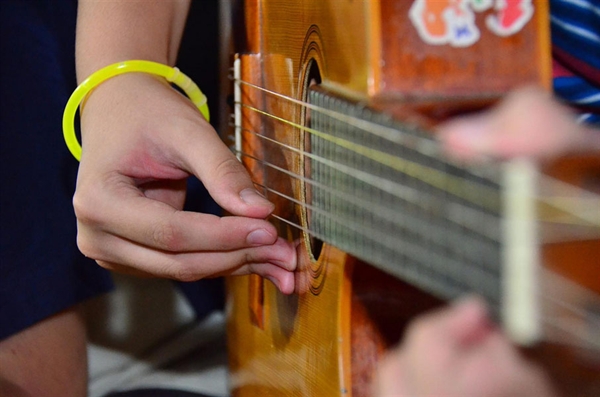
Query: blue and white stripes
pixel 575 27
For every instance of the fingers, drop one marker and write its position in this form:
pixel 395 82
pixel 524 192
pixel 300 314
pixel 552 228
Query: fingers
pixel 464 322
pixel 390 380
pixel 275 262
pixel 456 351
pixel 130 233
pixel 155 224
pixel 282 278
pixel 528 122
pixel 142 140
pixel 468 321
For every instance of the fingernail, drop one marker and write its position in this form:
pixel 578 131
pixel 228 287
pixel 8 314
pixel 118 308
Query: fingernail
pixel 252 197
pixel 260 237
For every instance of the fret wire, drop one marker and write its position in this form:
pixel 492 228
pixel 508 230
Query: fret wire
pixel 387 213
pixel 435 178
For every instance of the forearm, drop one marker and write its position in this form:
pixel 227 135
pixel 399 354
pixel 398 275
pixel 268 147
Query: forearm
pixel 113 31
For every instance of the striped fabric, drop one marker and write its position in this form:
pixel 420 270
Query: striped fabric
pixel 575 27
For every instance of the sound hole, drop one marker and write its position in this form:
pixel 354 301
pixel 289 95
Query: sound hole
pixel 312 78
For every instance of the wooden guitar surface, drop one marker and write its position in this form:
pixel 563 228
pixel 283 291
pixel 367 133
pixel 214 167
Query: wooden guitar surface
pixel 326 340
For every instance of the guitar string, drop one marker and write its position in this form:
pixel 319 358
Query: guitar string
pixel 440 180
pixel 557 201
pixel 363 231
pixel 452 268
pixel 550 321
pixel 586 340
pixel 568 309
pixel 462 188
pixel 477 194
pixel 426 146
pixel 406 193
pixel 467 218
pixel 387 213
pixel 582 339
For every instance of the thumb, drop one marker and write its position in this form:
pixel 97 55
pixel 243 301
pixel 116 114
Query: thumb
pixel 226 179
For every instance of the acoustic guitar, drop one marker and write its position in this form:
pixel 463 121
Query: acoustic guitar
pixel 335 101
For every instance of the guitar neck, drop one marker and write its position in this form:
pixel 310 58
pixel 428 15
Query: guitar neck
pixel 417 217
pixel 380 190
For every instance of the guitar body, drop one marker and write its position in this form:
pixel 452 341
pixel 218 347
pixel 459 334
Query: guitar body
pixel 327 339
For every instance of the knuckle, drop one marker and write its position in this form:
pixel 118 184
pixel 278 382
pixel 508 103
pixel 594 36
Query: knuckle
pixel 184 272
pixel 253 268
pixel 86 247
pixel 249 258
pixel 230 167
pixel 84 208
pixel 105 265
pixel 167 237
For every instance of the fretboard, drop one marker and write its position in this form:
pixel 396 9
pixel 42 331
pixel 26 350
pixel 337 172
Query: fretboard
pixel 442 234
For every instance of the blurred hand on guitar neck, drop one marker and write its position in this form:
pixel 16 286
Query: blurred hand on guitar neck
pixel 528 122
pixel 457 351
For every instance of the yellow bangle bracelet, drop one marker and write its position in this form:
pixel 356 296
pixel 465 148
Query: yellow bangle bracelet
pixel 173 75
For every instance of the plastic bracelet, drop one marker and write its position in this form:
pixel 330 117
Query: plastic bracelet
pixel 173 75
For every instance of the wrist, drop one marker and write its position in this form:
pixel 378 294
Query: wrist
pixel 172 75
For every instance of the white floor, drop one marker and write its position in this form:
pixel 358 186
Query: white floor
pixel 144 335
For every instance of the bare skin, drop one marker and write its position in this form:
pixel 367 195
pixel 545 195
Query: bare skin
pixel 457 351
pixel 46 359
pixel 141 140
pixel 528 122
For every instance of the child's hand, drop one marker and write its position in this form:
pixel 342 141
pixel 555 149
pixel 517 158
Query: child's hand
pixel 528 122
pixel 141 140
pixel 457 351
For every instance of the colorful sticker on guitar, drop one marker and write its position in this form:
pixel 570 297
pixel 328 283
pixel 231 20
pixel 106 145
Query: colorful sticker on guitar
pixel 445 22
pixel 452 22
pixel 511 16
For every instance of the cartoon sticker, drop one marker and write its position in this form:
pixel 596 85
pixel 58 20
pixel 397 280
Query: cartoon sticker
pixel 510 17
pixel 452 22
